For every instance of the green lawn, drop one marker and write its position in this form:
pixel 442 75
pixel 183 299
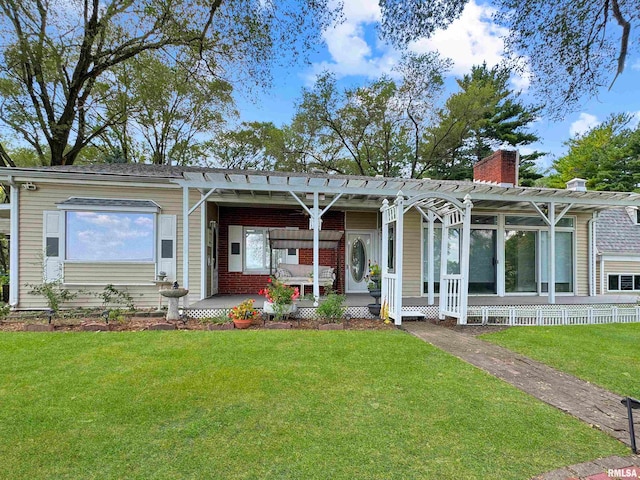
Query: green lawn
pixel 607 355
pixel 260 404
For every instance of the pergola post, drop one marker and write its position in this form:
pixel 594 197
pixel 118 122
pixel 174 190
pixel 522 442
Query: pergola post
pixel 399 247
pixel 464 260
pixel 444 249
pixel 185 243
pixel 430 257
pixel 315 216
pixel 385 251
pixel 551 278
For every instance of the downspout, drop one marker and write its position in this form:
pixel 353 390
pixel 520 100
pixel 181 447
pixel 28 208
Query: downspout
pixel 14 196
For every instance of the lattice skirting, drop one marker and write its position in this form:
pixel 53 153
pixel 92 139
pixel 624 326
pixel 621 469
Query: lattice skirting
pixel 516 315
pixel 550 315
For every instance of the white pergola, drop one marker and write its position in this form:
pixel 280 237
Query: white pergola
pixel 447 201
pixel 453 285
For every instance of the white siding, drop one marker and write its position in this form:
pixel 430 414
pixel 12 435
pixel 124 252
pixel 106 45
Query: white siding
pixel 136 278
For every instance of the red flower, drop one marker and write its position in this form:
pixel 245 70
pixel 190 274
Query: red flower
pixel 269 280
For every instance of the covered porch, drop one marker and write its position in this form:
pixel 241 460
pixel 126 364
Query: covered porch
pixel 538 242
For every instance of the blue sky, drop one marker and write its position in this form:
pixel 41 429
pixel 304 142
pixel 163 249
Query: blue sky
pixel 354 54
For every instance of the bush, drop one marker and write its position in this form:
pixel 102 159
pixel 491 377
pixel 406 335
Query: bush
pixel 53 292
pixel 332 308
pixel 111 296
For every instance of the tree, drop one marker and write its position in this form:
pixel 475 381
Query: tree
pixel 254 145
pixel 375 129
pixel 573 47
pixel 168 108
pixel 483 116
pixel 54 69
pixel 607 156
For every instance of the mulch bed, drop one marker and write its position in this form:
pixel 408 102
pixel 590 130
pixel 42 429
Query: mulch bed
pixel 136 324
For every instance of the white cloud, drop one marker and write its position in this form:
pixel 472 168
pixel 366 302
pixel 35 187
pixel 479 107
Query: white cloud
pixel 583 124
pixel 635 65
pixel 347 43
pixel 470 40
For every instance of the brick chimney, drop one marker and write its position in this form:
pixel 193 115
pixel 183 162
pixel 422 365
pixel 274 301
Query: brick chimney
pixel 500 168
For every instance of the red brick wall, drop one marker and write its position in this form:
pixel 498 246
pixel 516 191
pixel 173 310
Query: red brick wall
pixel 499 167
pixel 239 283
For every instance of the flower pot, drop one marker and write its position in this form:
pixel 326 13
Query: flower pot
pixel 375 293
pixel 243 322
pixel 374 309
pixel 268 308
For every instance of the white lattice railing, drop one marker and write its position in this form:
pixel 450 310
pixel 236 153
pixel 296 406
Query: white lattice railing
pixel 558 315
pixel 390 284
pixel 450 290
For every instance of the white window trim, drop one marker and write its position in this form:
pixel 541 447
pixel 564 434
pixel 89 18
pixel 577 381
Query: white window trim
pixel 255 271
pixel 632 275
pixel 98 208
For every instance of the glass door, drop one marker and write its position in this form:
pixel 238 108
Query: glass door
pixel 482 262
pixel 520 261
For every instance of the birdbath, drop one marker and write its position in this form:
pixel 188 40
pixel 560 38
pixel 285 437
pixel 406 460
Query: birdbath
pixel 173 294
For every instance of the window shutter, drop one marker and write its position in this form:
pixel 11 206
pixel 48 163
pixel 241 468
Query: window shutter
pixel 53 244
pixel 236 241
pixel 166 256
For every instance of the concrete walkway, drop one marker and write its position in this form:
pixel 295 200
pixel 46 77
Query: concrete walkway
pixel 591 404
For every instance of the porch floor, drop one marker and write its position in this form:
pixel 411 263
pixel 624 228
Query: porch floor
pixel 363 299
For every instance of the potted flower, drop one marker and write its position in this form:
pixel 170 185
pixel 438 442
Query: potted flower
pixel 243 314
pixel 280 298
pixel 374 274
pixel 374 288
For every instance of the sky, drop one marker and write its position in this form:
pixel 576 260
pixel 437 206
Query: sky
pixel 352 51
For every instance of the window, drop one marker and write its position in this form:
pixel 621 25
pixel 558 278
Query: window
pixel 256 249
pixel 620 282
pixel 110 236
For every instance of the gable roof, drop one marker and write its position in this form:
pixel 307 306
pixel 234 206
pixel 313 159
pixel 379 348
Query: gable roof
pixel 617 233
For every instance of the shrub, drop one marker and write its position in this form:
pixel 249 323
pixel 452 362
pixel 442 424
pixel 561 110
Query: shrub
pixel 111 296
pixel 332 308
pixel 53 292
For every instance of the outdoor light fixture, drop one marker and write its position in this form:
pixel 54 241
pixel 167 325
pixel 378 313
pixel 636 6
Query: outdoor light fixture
pixel 631 404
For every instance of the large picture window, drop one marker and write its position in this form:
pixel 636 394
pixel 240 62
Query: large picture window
pixel 110 236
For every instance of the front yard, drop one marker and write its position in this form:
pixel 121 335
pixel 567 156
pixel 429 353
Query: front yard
pixel 269 404
pixel 607 355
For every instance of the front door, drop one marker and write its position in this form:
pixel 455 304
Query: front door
pixel 360 253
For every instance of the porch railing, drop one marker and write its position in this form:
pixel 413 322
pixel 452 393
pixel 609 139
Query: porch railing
pixel 390 290
pixel 450 293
